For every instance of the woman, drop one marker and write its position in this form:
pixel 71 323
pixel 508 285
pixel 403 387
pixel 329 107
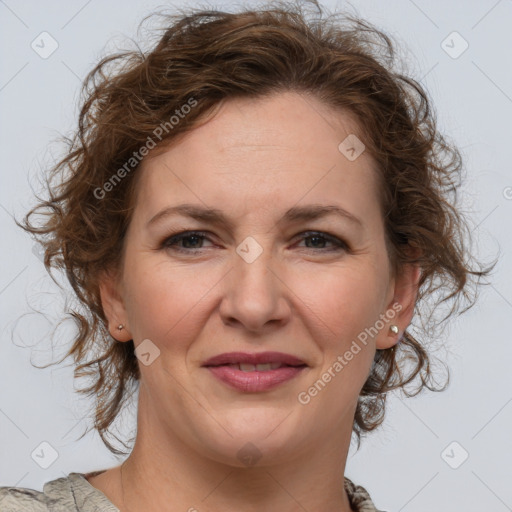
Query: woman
pixel 251 214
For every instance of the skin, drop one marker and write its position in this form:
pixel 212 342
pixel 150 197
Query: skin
pixel 254 160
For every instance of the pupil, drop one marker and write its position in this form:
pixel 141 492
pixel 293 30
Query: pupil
pixel 317 238
pixel 191 237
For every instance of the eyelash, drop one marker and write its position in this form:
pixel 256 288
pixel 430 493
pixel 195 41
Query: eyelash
pixel 170 242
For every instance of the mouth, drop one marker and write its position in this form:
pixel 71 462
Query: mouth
pixel 254 372
pixel 250 362
pixel 262 367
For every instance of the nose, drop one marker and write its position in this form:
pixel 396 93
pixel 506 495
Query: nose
pixel 255 295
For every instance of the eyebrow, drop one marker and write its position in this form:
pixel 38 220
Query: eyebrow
pixel 215 216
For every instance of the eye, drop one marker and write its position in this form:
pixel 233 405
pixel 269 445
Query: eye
pixel 191 241
pixel 317 237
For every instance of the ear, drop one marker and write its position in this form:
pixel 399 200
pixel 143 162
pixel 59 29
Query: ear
pixel 400 309
pixel 113 306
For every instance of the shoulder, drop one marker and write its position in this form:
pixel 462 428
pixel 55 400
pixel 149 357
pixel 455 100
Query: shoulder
pixel 359 498
pixel 19 499
pixel 67 494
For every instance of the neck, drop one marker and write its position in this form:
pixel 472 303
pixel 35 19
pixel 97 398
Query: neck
pixel 162 473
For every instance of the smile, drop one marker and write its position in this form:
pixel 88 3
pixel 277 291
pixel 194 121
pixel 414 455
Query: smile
pixel 250 378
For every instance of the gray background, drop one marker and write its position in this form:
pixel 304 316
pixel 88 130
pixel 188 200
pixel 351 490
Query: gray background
pixel 402 464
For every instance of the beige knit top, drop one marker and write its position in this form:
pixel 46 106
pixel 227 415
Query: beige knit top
pixel 75 494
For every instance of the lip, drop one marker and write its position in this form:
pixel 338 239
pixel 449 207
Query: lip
pixel 254 381
pixel 254 358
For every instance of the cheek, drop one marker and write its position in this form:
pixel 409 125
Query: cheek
pixel 161 299
pixel 342 302
pixel 341 308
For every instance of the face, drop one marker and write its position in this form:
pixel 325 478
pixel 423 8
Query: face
pixel 264 277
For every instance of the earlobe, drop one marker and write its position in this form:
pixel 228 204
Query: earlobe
pixel 401 308
pixel 113 307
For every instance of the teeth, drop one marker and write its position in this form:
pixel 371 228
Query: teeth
pixel 263 367
pixel 246 367
pixel 268 366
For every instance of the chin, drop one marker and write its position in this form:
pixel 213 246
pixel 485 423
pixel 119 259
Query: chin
pixel 254 437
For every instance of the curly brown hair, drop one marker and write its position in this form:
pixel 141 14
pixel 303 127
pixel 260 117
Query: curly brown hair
pixel 203 58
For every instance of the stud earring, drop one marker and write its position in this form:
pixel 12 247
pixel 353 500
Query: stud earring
pixel 393 328
pixel 120 327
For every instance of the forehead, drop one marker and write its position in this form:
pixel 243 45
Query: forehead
pixel 260 152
